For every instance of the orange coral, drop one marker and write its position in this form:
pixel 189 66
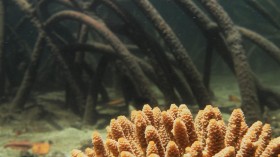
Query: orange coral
pixel 195 150
pixel 151 149
pixel 234 128
pixel 215 138
pixel 112 145
pixel 180 133
pixel 90 152
pixel 77 153
pixel 226 152
pixel 172 149
pixel 174 133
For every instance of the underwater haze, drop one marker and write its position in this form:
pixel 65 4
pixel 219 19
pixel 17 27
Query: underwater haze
pixel 68 67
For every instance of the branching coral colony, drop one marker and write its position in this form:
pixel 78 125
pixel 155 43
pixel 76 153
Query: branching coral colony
pixel 174 133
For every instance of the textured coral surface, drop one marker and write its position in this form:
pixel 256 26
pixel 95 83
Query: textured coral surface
pixel 174 133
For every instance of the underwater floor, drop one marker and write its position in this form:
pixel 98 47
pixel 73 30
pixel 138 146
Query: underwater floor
pixel 63 128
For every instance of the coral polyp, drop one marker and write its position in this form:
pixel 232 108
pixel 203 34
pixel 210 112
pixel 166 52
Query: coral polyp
pixel 152 132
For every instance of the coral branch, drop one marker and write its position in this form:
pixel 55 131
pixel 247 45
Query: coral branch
pixel 237 141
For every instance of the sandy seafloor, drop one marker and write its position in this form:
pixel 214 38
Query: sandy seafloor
pixel 31 126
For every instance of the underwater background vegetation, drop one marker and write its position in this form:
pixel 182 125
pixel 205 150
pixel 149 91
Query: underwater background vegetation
pixel 90 60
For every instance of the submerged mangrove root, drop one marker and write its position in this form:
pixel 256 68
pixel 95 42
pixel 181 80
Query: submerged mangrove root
pixel 158 59
pixel 271 49
pixel 90 113
pixel 2 71
pixel 258 7
pixel 180 53
pixel 244 76
pixel 123 53
pixel 108 50
pixel 208 66
pixel 212 34
pixel 164 71
pixel 28 10
pixel 29 77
